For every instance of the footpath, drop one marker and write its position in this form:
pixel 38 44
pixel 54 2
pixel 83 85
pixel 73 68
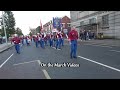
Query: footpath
pixel 104 42
pixel 5 46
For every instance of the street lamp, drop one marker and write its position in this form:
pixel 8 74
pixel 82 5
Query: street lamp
pixel 4 26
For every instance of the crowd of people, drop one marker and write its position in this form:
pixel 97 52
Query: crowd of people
pixel 54 40
pixel 2 40
pixel 87 35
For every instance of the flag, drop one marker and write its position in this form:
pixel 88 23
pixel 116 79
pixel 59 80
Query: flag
pixel 53 22
pixel 40 25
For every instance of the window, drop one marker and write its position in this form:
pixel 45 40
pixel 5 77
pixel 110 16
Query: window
pixel 68 24
pixel 93 20
pixel 105 20
pixel 63 24
pixel 81 23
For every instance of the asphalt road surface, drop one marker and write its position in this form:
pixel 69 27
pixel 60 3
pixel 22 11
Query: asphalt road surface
pixel 93 62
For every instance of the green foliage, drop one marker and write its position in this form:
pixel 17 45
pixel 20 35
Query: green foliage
pixel 38 29
pixel 30 34
pixel 9 21
pixel 18 31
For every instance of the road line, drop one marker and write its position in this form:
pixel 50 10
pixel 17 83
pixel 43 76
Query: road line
pixel 98 45
pixel 99 63
pixel 46 74
pixel 6 60
pixel 25 62
pixel 39 62
pixel 115 51
pixel 44 71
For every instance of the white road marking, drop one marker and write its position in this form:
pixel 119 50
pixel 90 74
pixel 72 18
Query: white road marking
pixel 98 45
pixel 46 74
pixel 6 60
pixel 25 62
pixel 44 71
pixel 115 51
pixel 39 62
pixel 100 63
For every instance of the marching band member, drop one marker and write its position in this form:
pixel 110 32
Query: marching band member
pixel 16 41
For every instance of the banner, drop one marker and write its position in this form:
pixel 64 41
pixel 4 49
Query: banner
pixel 57 22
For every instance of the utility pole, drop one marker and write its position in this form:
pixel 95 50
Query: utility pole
pixel 4 26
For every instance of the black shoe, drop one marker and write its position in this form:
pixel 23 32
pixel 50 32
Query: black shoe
pixel 71 57
pixel 75 57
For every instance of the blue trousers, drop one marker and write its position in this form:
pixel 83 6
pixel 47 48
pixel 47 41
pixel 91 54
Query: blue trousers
pixel 54 42
pixel 51 42
pixel 17 48
pixel 39 43
pixel 46 42
pixel 36 43
pixel 26 41
pixel 42 43
pixel 59 42
pixel 62 42
pixel 73 48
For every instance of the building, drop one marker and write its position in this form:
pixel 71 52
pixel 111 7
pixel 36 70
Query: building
pixel 61 23
pixel 106 22
pixel 65 24
pixel 48 27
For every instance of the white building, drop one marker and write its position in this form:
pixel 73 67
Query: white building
pixel 106 22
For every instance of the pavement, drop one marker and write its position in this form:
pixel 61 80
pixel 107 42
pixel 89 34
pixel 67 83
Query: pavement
pixel 93 62
pixel 104 42
pixel 5 46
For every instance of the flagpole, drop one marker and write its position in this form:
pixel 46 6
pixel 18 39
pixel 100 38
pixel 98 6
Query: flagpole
pixel 4 26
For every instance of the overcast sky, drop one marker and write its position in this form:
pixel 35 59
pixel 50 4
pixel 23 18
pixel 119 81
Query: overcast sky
pixel 26 19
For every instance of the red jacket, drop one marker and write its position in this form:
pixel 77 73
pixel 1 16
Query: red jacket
pixel 73 35
pixel 16 40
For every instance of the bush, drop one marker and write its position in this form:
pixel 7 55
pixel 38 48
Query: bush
pixel 108 37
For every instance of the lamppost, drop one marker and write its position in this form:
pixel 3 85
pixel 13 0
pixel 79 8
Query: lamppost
pixel 4 26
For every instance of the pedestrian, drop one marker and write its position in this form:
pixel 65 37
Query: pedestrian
pixel 85 35
pixel 22 39
pixel 28 40
pixel 45 40
pixel 16 41
pixel 0 40
pixel 36 41
pixel 62 39
pixel 54 39
pixel 51 40
pixel 58 40
pixel 42 40
pixel 73 36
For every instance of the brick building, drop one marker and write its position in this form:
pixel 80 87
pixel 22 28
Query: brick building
pixel 65 24
pixel 65 21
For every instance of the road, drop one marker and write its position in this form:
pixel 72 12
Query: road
pixel 93 62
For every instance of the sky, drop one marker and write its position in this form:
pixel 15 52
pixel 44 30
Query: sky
pixel 31 19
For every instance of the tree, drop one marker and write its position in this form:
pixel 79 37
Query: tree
pixel 38 29
pixel 30 34
pixel 9 23
pixel 18 31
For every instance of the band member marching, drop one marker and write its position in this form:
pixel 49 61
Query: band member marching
pixel 17 41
